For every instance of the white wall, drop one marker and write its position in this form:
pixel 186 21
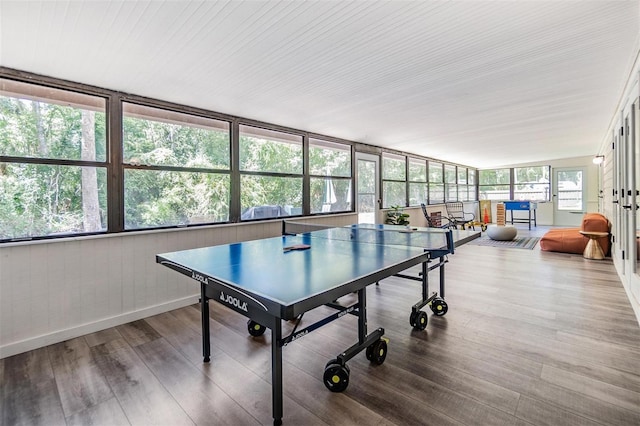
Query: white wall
pixel 55 290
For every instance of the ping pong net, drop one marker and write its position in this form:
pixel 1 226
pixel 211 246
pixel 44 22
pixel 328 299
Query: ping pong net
pixel 425 238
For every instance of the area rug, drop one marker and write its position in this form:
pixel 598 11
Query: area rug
pixel 517 242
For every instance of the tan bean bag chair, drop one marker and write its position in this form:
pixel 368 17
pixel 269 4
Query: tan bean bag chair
pixel 570 240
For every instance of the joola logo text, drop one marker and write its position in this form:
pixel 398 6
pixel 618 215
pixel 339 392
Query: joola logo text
pixel 346 311
pixel 233 301
pixel 199 277
pixel 301 334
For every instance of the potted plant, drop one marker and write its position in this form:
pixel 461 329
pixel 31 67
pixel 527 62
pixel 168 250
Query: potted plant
pixel 397 216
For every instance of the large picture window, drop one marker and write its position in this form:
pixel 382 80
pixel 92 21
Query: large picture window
pixel 495 184
pixel 436 183
pixel 418 189
pixel 394 180
pixel 451 182
pixel 519 183
pixel 472 188
pixel 330 181
pixel 52 162
pixel 532 183
pixel 176 168
pixel 271 173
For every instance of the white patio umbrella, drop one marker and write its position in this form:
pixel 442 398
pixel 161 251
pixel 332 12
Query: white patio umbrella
pixel 329 192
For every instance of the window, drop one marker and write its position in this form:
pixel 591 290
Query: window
pixel 463 187
pixel 532 183
pixel 53 173
pixel 394 180
pixel 330 181
pixel 176 168
pixel 270 173
pixel 570 190
pixel 436 183
pixel 418 189
pixel 528 183
pixel 495 184
pixel 72 165
pixel 471 178
pixel 451 182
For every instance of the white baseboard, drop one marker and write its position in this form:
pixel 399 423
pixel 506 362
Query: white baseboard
pixel 36 342
pixel 627 288
pixel 634 304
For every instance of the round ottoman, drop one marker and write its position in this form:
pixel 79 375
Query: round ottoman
pixel 502 233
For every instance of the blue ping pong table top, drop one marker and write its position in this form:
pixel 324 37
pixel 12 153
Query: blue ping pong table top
pixel 262 268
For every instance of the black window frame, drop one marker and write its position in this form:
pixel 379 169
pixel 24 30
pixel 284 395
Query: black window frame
pixel 116 167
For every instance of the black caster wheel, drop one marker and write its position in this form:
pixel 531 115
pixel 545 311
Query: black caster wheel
pixel 255 329
pixel 336 376
pixel 418 320
pixel 439 306
pixel 377 352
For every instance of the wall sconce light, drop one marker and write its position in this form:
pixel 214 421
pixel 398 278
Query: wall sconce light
pixel 598 159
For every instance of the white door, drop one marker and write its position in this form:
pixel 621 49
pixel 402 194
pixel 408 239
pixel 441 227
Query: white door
pixel 623 198
pixel 367 187
pixel 569 189
pixel 629 202
pixel 634 201
pixel 616 248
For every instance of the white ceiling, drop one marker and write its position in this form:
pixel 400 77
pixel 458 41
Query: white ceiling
pixel 479 83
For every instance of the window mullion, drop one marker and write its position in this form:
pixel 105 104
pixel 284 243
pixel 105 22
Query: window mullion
pixel 115 173
pixel 234 202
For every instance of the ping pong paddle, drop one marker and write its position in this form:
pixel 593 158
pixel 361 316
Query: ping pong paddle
pixel 296 247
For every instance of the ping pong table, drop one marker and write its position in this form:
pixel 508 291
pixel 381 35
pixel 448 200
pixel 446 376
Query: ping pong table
pixel 281 278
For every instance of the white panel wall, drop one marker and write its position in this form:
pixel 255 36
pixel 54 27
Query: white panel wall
pixel 55 290
pixel 629 276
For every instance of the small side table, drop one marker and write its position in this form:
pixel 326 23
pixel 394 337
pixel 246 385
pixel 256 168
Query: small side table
pixel 593 249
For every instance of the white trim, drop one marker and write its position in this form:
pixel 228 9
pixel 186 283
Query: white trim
pixel 627 288
pixel 199 228
pixel 14 348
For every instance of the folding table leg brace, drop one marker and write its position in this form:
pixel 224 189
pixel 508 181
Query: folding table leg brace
pixel 418 319
pixel 336 375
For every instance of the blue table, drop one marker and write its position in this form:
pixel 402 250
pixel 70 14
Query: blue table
pixel 266 283
pixel 529 206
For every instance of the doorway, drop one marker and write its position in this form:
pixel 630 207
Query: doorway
pixel 367 187
pixel 568 196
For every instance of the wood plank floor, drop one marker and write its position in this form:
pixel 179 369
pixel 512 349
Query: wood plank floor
pixel 531 338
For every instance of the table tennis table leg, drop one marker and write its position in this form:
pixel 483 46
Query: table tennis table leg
pixel 276 371
pixel 206 339
pixel 362 315
pixel 442 263
pixel 425 281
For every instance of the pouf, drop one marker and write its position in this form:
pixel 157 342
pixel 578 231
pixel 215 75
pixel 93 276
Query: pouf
pixel 502 233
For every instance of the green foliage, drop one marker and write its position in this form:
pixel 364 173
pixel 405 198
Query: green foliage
pixel 397 216
pixel 158 143
pixel 536 174
pixel 41 199
pixel 263 155
pixel 393 168
pixel 436 173
pixel 495 177
pixel 393 193
pixel 329 162
pixel 417 171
